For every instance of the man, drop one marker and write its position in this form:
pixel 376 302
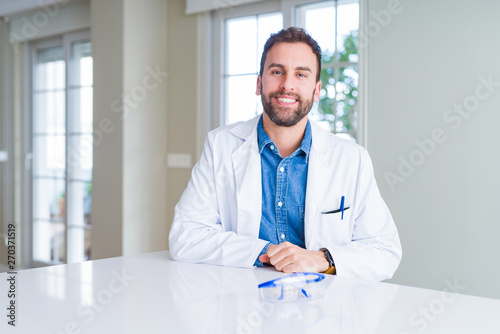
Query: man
pixel 280 190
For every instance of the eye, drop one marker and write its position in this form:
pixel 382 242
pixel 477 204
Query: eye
pixel 302 75
pixel 278 72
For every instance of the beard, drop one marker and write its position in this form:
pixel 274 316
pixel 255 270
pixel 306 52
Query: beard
pixel 284 116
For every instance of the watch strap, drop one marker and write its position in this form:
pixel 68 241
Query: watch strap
pixel 331 263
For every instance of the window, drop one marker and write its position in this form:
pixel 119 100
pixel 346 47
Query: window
pixel 334 25
pixel 61 126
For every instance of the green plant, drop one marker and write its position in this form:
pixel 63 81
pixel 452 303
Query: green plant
pixel 338 99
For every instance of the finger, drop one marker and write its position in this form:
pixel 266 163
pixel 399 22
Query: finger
pixel 279 252
pixel 286 260
pixel 273 249
pixel 264 258
pixel 279 257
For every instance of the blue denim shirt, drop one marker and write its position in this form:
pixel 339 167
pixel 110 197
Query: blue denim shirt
pixel 283 191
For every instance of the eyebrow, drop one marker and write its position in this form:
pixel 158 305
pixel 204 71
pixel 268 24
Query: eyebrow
pixel 299 68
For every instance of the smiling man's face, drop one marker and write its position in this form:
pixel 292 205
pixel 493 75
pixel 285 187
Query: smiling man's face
pixel 288 84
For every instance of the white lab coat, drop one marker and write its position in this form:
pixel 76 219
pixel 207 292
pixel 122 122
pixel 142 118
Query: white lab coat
pixel 217 219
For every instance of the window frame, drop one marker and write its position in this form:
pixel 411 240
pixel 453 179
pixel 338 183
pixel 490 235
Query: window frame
pixel 287 7
pixel 30 52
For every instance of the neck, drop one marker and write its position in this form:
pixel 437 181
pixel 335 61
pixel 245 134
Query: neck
pixel 288 139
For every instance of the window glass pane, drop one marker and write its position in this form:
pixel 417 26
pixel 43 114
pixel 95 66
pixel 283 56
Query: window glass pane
pixel 320 24
pixel 81 203
pixel 49 207
pixel 49 242
pixel 80 100
pixel 49 69
pixel 80 157
pixel 49 155
pixel 267 24
pixel 48 203
pixel 81 65
pixel 241 99
pixel 242 45
pixel 347 28
pixel 48 112
pixel 327 96
pixel 86 78
pixel 79 221
pixel 79 248
pixel 346 97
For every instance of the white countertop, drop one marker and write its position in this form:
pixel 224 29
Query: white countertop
pixel 150 293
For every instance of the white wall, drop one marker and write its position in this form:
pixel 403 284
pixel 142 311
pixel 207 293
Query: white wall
pixel 427 58
pixel 145 226
pixel 107 187
pixel 182 96
pixel 129 177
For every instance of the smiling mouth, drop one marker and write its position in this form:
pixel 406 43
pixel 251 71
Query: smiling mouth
pixel 285 101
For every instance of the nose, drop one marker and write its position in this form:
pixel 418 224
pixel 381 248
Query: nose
pixel 287 83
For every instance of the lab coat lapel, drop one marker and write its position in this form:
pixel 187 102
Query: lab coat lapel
pixel 247 171
pixel 317 185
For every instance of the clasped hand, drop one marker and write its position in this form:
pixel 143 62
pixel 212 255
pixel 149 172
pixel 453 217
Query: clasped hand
pixel 290 258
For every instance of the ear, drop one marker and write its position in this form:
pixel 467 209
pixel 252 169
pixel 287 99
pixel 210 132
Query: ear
pixel 317 91
pixel 257 91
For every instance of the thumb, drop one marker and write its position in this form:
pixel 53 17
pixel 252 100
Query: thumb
pixel 264 258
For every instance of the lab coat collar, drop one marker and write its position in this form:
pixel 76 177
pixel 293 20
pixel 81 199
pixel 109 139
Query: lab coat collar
pixel 322 140
pixel 247 130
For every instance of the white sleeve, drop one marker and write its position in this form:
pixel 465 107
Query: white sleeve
pixel 197 234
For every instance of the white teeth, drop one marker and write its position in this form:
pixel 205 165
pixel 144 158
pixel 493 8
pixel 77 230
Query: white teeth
pixel 286 100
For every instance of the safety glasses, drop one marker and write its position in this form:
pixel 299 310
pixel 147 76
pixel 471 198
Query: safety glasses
pixel 292 287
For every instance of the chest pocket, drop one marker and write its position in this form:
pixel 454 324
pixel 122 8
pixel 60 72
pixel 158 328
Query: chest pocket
pixel 331 229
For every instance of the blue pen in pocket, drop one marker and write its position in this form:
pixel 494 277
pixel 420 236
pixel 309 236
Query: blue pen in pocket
pixel 342 207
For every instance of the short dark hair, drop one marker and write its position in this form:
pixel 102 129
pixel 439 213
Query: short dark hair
pixel 292 35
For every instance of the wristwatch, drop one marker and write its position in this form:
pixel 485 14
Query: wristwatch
pixel 329 258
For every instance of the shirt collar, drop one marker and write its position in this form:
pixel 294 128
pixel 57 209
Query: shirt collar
pixel 264 139
pixel 262 136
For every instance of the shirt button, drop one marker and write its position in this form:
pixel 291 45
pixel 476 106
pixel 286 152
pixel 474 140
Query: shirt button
pixel 272 147
pixel 282 236
pixel 280 203
pixel 282 169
